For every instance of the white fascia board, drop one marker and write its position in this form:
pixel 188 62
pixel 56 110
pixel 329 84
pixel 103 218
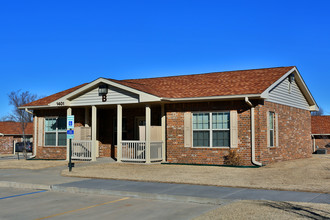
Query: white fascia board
pixel 301 84
pixel 212 98
pixel 15 134
pixel 314 108
pixel 322 134
pixel 144 97
pixel 36 107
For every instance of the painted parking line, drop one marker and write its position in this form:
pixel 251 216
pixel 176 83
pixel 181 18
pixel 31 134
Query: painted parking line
pixel 24 194
pixel 88 207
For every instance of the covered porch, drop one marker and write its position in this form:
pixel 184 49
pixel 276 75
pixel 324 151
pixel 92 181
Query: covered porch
pixel 125 132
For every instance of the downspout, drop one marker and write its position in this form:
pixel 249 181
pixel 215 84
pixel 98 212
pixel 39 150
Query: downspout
pixel 34 144
pixel 253 150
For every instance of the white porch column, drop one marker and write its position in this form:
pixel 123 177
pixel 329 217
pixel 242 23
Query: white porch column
pixel 148 122
pixel 68 112
pixel 35 133
pixel 94 125
pixel 119 132
pixel 87 117
pixel 163 123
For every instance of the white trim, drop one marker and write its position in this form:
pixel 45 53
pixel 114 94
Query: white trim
pixel 119 132
pixel 163 124
pixel 36 107
pixel 94 132
pixel 211 97
pixel 321 134
pixel 148 139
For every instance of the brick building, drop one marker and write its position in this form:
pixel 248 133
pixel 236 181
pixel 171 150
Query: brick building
pixel 321 132
pixel 262 114
pixel 10 133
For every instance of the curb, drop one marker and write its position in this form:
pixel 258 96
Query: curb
pixel 58 188
pixel 24 185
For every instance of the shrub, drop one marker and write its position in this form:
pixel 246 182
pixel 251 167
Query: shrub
pixel 232 158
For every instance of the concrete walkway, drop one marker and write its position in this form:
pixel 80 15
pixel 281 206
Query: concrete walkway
pixel 51 179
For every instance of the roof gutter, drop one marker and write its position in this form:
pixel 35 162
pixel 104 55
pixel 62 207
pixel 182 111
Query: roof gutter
pixel 210 98
pixel 28 111
pixel 253 153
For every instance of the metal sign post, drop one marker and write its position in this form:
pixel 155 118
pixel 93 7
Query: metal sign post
pixel 70 136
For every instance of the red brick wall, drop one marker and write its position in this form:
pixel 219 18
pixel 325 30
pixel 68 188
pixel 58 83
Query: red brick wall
pixel 58 153
pixel 51 152
pixel 294 127
pixel 294 133
pixel 6 145
pixel 177 153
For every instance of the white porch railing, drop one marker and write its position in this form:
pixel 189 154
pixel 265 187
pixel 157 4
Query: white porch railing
pixel 156 151
pixel 135 151
pixel 81 150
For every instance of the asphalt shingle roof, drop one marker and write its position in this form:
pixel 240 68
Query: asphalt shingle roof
pixel 239 82
pixel 9 127
pixel 321 124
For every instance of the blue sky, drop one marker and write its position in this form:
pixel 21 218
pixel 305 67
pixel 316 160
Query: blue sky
pixel 49 46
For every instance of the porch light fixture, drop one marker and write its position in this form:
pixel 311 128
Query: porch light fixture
pixel 291 77
pixel 103 91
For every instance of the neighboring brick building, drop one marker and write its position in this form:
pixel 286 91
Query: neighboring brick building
pixel 263 115
pixel 321 132
pixel 10 133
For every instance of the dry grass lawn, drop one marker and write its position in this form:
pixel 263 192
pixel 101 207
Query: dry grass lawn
pixel 312 174
pixel 268 210
pixel 30 164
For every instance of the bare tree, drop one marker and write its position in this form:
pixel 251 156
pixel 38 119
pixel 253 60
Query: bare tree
pixel 17 99
pixel 319 113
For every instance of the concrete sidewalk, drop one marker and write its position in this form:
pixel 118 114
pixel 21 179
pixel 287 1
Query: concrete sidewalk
pixel 51 179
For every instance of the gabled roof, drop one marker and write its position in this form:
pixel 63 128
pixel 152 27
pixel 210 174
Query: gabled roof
pixel 15 128
pixel 209 84
pixel 48 99
pixel 321 124
pixel 229 83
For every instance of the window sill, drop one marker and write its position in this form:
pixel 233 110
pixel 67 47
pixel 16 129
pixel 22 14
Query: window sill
pixel 274 147
pixel 210 147
pixel 54 146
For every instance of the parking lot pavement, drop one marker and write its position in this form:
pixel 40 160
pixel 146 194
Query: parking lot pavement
pixel 40 204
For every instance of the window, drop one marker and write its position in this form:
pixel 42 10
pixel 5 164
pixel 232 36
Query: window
pixel 271 118
pixel 211 129
pixel 55 132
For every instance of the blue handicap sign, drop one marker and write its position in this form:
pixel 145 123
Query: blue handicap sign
pixel 70 131
pixel 70 122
